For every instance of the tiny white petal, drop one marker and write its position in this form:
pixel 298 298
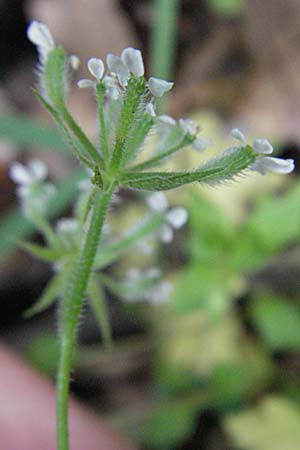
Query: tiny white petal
pixel 133 60
pixel 37 169
pixel 20 174
pixel 166 234
pixel 96 68
pixel 116 65
pixel 262 146
pixel 74 61
pixel 275 165
pixel 157 202
pixel 39 34
pixel 85 83
pixel 166 120
pixel 150 109
pixel 239 136
pixel 188 126
pixel 201 143
pixel 177 217
pixel 159 87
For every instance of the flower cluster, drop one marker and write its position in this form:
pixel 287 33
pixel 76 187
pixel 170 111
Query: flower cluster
pixel 146 285
pixel 175 218
pixel 32 190
pixel 263 164
pixel 120 71
pixel 127 114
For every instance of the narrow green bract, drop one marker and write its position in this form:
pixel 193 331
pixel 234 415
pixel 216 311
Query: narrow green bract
pixel 55 75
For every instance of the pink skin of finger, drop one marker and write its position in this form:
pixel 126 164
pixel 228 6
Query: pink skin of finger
pixel 27 414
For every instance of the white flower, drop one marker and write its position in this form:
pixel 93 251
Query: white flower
pixel 36 171
pixel 239 136
pixel 177 217
pixel 275 165
pixel 39 34
pixel 263 164
pixel 133 60
pixel 188 126
pixel 74 61
pixel 262 146
pixel 165 234
pixel 157 202
pixel 201 143
pixel 96 68
pixel 159 87
pixel 149 108
pixel 116 65
pixel 85 83
pixel 31 190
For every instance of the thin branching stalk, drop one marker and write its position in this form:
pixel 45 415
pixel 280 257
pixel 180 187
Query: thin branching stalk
pixel 71 308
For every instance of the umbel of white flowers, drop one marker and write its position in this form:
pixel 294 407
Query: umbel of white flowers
pixel 115 84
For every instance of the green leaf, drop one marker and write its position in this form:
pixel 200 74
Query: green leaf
pixel 129 112
pixel 70 139
pixel 272 425
pixel 235 382
pixel 169 425
pixel 136 138
pixel 55 75
pixel 47 298
pixel 226 167
pixel 202 288
pixel 275 222
pixel 211 234
pixel 278 322
pixel 40 252
pixel 28 132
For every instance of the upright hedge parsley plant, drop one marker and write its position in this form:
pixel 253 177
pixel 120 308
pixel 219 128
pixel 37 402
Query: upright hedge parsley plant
pixel 126 116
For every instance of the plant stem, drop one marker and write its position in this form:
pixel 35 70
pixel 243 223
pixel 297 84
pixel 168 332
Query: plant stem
pixel 158 159
pixel 103 132
pixel 71 307
pixel 163 39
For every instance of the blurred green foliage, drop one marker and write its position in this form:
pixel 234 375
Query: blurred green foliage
pixel 226 8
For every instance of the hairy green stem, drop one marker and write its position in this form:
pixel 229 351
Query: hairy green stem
pixel 103 132
pixel 71 308
pixel 158 159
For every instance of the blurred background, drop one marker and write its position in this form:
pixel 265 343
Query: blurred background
pixel 218 366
